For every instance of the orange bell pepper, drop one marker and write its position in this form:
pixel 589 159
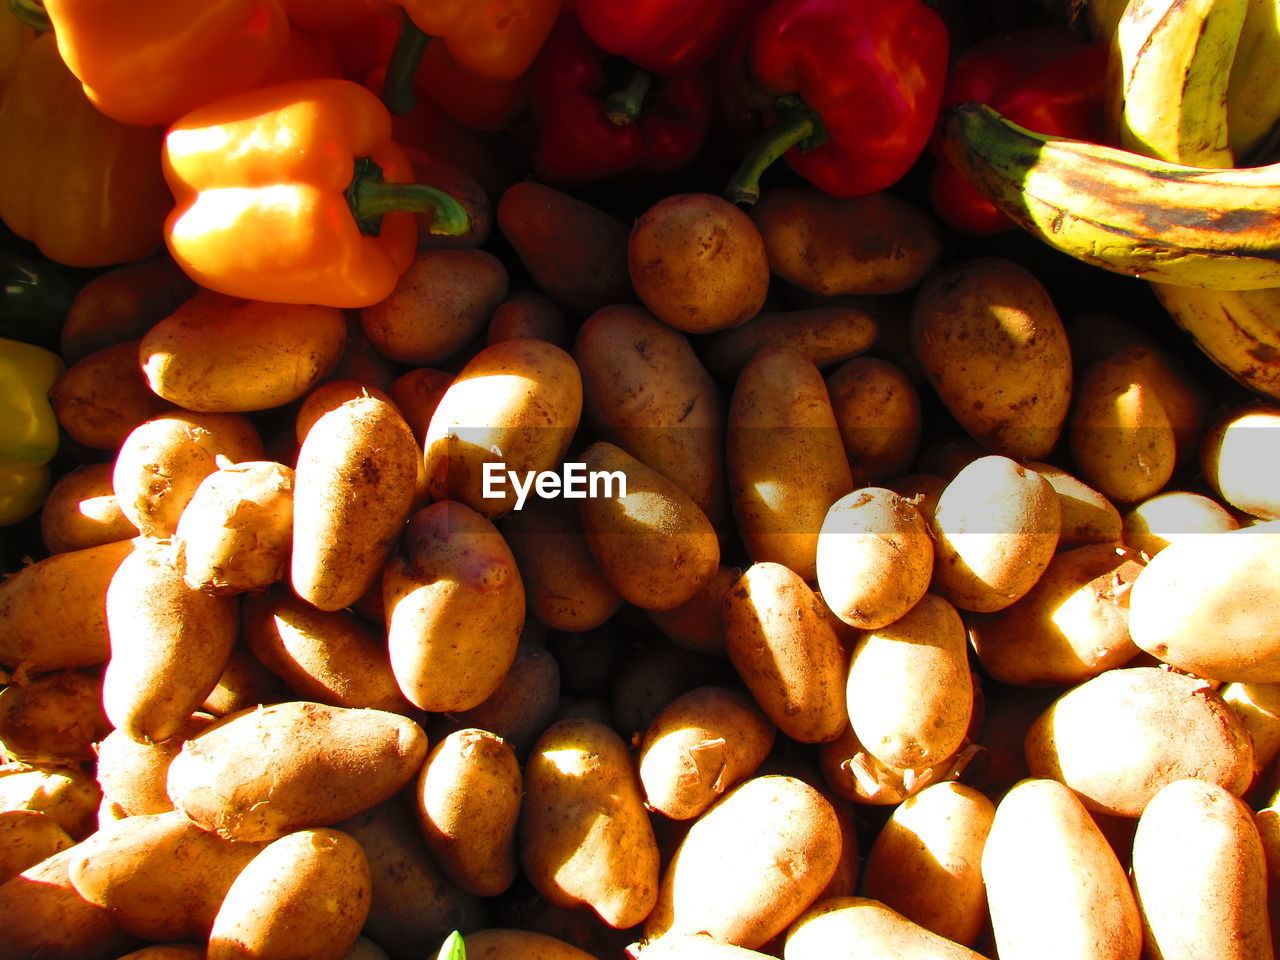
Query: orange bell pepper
pixel 326 16
pixel 151 61
pixel 86 189
pixel 296 193
pixel 14 38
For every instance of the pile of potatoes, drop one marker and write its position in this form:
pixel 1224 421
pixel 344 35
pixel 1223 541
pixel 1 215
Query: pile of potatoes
pixel 926 624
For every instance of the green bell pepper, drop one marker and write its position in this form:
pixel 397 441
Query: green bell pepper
pixel 35 296
pixel 28 428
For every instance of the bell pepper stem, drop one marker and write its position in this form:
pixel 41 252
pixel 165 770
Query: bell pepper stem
pixel 623 106
pixel 31 13
pixel 370 198
pixel 796 125
pixel 397 90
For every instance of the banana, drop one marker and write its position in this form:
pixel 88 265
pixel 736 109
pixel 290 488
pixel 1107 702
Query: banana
pixel 1253 100
pixel 1239 330
pixel 1124 212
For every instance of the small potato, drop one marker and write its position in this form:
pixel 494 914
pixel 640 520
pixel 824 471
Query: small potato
pixel 838 245
pixel 417 393
pixel 1200 875
pixel 353 489
pixel 26 838
pixel 878 411
pixel 786 652
pixel 1158 521
pixel 1052 879
pixel 992 344
pixel 262 773
pixel 162 461
pixel 244 683
pixel 654 544
pixel 926 861
pixel 81 510
pixel 527 313
pixel 875 557
pixel 495 944
pixel 220 353
pixel 1258 707
pixel 855 774
pixel 909 689
pixel 698 262
pixel 1087 516
pixel 995 528
pixel 306 894
pixel 746 893
pixel 133 775
pixel 1072 625
pixel 66 794
pixel 440 304
pixel 824 335
pixel 169 643
pixel 702 744
pixel 786 462
pixel 512 410
pixel 53 718
pixel 1239 455
pixel 848 928
pixel 468 794
pixel 168 951
pixel 651 677
pixel 161 876
pixel 455 606
pixel 53 612
pixel 1117 739
pixel 100 399
pixel 697 623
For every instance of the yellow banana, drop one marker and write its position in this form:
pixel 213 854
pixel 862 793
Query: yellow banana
pixel 1253 102
pixel 1102 17
pixel 1239 330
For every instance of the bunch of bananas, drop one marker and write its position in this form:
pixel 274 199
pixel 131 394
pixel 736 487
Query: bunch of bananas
pixel 1195 93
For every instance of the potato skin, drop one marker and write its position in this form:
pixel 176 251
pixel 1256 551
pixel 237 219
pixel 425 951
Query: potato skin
pixel 67 794
pixel 878 411
pixel 1238 456
pixel 53 718
pixel 585 835
pixel 747 893
pixel 1158 521
pixel 101 398
pixel 133 775
pixel 81 510
pixel 847 928
pixel 501 944
pixel 26 838
pixel 824 335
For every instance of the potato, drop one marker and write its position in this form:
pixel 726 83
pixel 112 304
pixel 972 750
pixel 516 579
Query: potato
pixel 692 946
pixel 417 393
pixel 169 643
pixel 656 672
pixel 168 951
pixel 133 775
pixel 306 894
pixel 700 745
pixel 995 530
pixel 926 861
pixel 1053 882
pixel 66 794
pixel 468 795
pixel 645 390
pixel 1158 521
pixel 1200 875
pixel 909 690
pixel 653 543
pixel 244 683
pixel 855 774
pixel 1118 738
pixel 161 876
pixel 100 399
pixel 845 928
pixel 512 410
pixel 747 893
pixel 455 606
pixel 353 489
pixel 1072 625
pixel 875 557
pixel 220 353
pixel 786 462
pixel 786 652
pixel 122 303
pixel 993 347
pixel 329 396
pixel 877 410
pixel 53 718
pixel 162 461
pixel 81 510
pixel 697 624
pixel 497 944
pixel 1087 516
pixel 1240 452
pixel 265 772
pixel 26 838
pixel 1208 605
pixel 440 304
pixel 824 335
pixel 838 245
pixel 1258 707
pixel 527 313
pixel 585 837
pixel 698 262
pixel 53 612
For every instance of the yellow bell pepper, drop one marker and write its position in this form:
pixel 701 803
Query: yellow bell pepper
pixel 28 428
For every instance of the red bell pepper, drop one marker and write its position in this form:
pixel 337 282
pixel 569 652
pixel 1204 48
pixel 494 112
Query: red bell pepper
pixel 1042 79
pixel 855 87
pixel 664 36
pixel 590 129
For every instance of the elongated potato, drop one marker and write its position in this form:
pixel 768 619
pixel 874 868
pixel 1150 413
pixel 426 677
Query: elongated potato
pixel 101 398
pixel 586 839
pixel 824 335
pixel 1052 879
pixel 747 893
pixel 306 894
pixel 1200 875
pixel 847 928
pixel 455 606
pixel 782 645
pixel 909 689
pixel 169 643
pixel 81 510
pixel 1087 516
pixel 26 838
pixel 501 944
pixel 353 489
pixel 265 772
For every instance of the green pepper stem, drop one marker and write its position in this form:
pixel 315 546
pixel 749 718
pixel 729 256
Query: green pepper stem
pixel 623 106
pixel 397 89
pixel 370 198
pixel 796 125
pixel 32 13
